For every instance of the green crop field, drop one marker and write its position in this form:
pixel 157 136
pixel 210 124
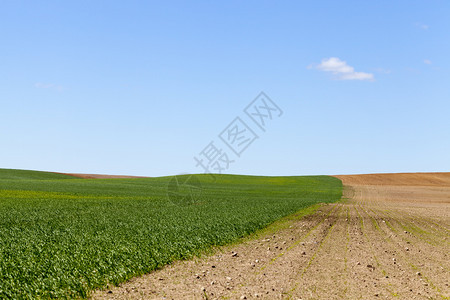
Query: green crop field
pixel 63 237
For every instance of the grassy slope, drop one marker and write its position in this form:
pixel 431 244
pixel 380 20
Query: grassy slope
pixel 35 175
pixel 63 238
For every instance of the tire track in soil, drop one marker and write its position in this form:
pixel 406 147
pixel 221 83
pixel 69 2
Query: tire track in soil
pixel 438 228
pixel 378 284
pixel 404 252
pixel 399 231
pixel 284 268
pixel 300 240
pixel 399 225
pixel 394 251
pixel 426 229
pixel 407 224
pixel 325 256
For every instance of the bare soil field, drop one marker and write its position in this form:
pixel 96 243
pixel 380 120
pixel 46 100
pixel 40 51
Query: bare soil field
pixel 389 238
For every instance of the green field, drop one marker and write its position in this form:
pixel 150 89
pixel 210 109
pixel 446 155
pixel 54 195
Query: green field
pixel 63 237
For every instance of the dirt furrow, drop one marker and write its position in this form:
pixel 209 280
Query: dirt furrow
pixel 410 253
pixel 300 240
pixel 280 272
pixel 409 278
pixel 327 265
pixel 420 223
pixel 401 231
pixel 376 262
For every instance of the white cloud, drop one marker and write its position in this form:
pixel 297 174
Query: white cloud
pixel 341 70
pixel 40 85
pixel 422 26
pixel 427 61
pixel 383 71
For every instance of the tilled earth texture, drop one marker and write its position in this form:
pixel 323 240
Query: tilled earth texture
pixel 388 239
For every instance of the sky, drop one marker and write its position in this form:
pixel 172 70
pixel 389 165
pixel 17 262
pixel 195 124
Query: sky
pixel 145 87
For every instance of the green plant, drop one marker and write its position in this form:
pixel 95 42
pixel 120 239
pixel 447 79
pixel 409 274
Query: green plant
pixel 64 238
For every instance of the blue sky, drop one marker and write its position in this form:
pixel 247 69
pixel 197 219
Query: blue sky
pixel 141 87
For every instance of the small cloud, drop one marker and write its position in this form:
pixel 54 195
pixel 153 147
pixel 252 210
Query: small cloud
pixel 422 26
pixel 427 61
pixel 341 70
pixel 413 70
pixel 382 71
pixel 40 85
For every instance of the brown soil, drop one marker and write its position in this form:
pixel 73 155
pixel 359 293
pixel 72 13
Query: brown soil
pixel 100 176
pixel 389 239
pixel 401 179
